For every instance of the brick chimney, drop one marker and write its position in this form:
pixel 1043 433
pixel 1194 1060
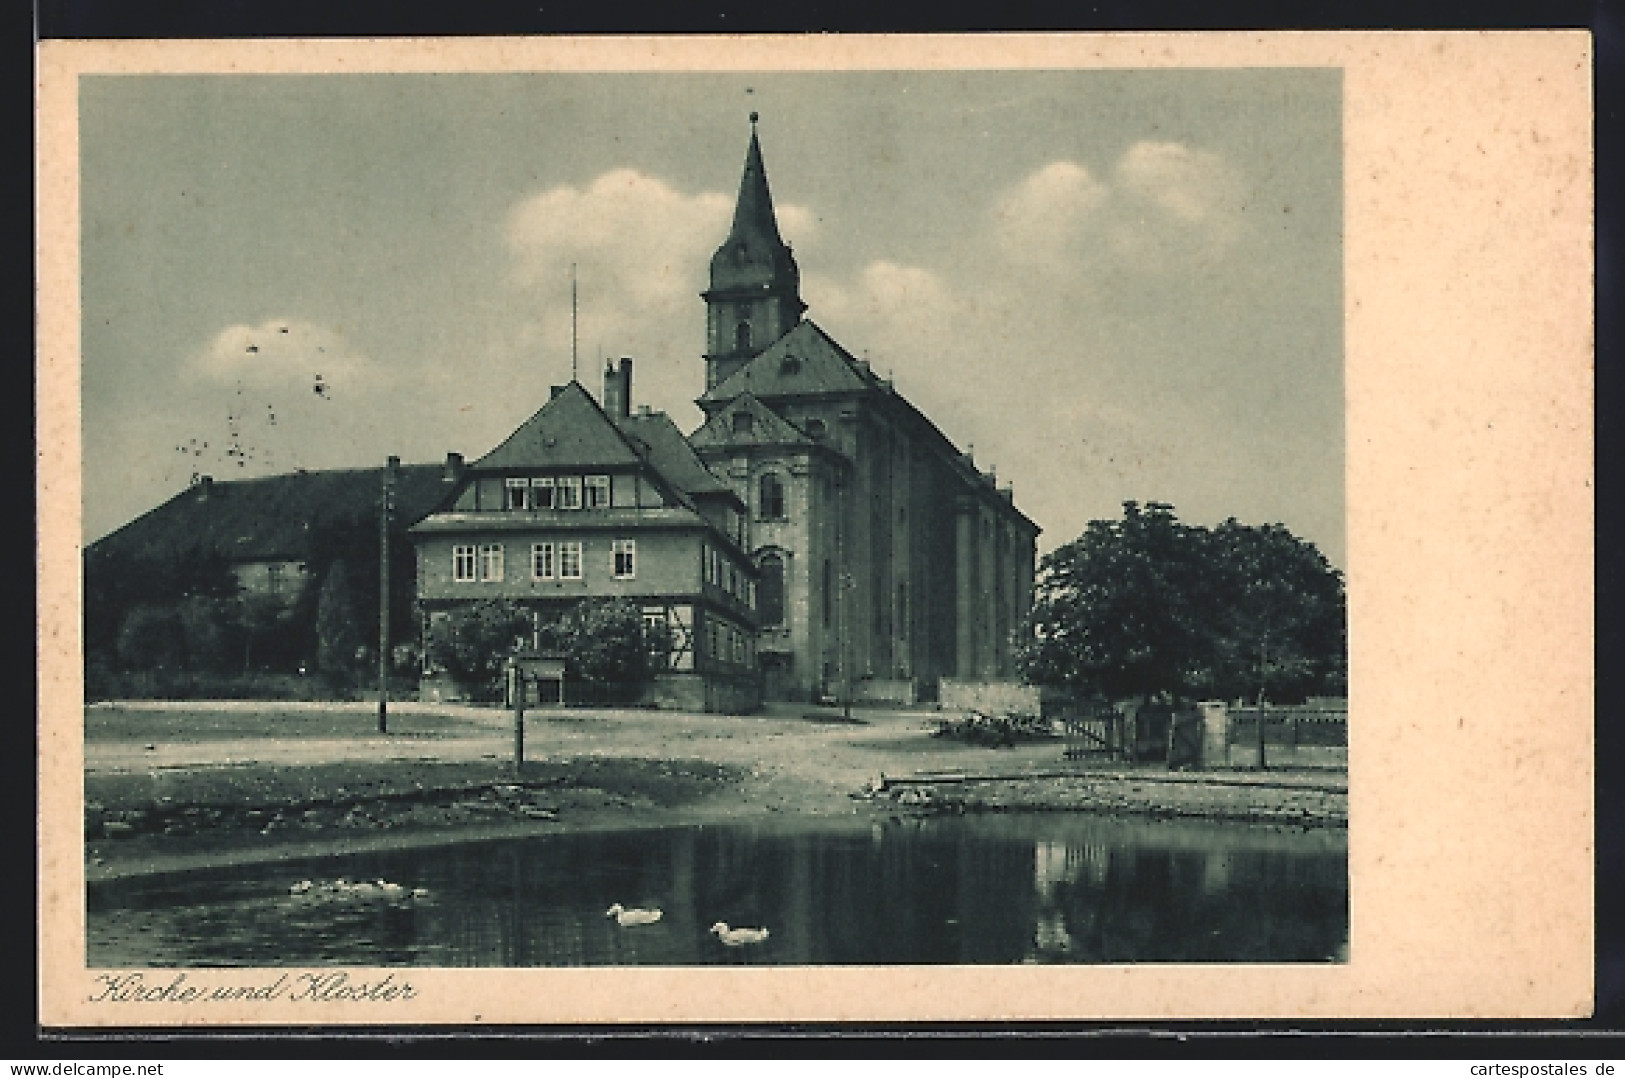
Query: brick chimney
pixel 454 467
pixel 618 389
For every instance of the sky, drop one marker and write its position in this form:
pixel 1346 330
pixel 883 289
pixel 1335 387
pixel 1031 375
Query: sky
pixel 1107 285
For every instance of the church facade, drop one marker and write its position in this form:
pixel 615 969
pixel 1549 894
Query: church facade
pixel 887 560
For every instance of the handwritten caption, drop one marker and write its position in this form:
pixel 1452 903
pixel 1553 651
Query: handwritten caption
pixel 334 986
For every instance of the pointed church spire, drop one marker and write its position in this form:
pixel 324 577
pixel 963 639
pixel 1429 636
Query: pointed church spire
pixel 755 293
pixel 753 212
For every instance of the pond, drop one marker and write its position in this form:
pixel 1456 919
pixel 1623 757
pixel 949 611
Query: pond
pixel 1037 888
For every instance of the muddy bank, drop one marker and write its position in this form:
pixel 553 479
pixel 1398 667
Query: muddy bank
pixel 168 819
pixel 1309 801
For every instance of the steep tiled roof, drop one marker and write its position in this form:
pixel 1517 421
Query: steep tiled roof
pixel 569 431
pixel 766 427
pixel 805 360
pixel 670 454
pixel 272 519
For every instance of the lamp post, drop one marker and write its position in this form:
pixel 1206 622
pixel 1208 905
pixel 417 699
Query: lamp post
pixel 847 584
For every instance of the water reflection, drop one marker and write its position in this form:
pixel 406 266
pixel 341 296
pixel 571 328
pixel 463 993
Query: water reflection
pixel 986 890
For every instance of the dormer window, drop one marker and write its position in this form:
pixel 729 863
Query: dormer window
pixel 744 423
pixel 816 429
pixel 597 492
pixel 514 493
pixel 790 365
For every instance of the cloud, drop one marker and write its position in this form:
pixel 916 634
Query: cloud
pixel 1041 220
pixel 1162 206
pixel 641 249
pixel 280 352
pixel 1182 203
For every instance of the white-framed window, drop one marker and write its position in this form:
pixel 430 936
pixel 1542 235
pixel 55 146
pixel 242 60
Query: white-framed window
pixel 597 492
pixel 463 563
pixel 491 561
pixel 626 559
pixel 541 493
pixel 568 488
pixel 570 561
pixel 514 493
pixel 541 561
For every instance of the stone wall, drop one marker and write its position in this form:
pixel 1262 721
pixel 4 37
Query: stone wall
pixel 714 693
pixel 990 697
pixel 872 690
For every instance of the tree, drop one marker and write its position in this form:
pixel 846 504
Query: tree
pixel 1116 611
pixel 1146 605
pixel 338 631
pixel 203 626
pixel 1279 614
pixel 604 644
pixel 151 638
pixel 472 643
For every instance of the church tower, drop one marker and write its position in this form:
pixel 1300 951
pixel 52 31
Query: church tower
pixel 755 293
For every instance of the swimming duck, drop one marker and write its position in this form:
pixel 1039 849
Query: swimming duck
pixel 301 887
pixel 624 916
pixel 734 937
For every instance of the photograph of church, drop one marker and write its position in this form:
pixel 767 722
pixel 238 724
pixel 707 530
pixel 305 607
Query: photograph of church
pixel 806 442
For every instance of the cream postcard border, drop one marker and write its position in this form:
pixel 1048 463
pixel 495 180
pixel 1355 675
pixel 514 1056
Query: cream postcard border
pixel 1468 256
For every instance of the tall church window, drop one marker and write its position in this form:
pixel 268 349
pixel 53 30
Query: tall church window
pixel 770 592
pixel 770 504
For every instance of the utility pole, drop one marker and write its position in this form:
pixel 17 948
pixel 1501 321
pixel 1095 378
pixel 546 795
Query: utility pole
pixel 1263 707
pixel 383 594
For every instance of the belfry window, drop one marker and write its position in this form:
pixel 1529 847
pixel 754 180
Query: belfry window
pixel 742 336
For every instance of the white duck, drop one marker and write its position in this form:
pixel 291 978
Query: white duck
pixel 624 916
pixel 736 937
